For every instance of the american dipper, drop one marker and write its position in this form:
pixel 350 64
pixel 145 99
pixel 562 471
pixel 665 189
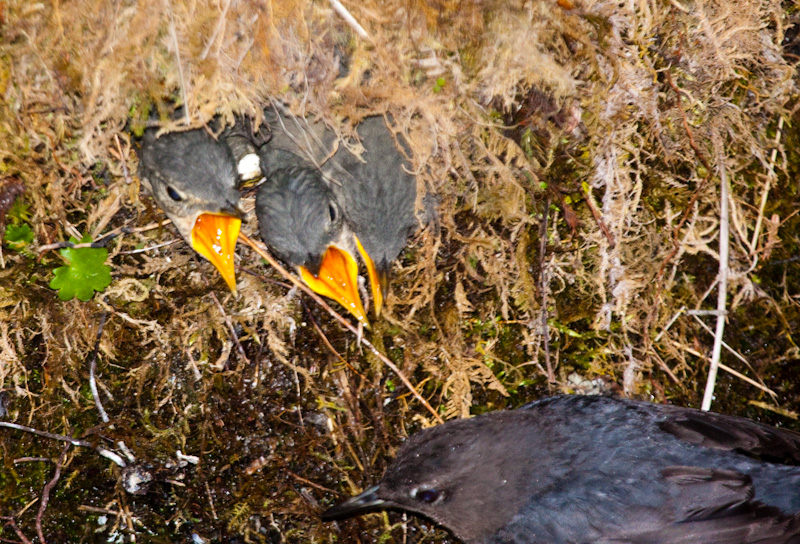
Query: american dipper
pixel 375 191
pixel 301 221
pixel 378 194
pixel 579 469
pixel 193 179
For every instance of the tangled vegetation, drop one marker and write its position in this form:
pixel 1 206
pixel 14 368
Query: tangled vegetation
pixel 595 167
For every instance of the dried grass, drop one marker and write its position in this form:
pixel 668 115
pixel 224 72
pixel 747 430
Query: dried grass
pixel 626 98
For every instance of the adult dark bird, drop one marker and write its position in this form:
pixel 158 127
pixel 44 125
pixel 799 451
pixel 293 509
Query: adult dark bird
pixel 374 190
pixel 579 469
pixel 301 221
pixel 193 179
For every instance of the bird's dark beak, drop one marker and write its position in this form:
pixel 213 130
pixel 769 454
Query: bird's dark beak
pixel 338 279
pixel 214 237
pixel 360 504
pixel 378 278
pixel 232 209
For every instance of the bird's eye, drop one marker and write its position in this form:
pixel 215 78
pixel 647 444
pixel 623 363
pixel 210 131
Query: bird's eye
pixel 332 212
pixel 173 194
pixel 428 496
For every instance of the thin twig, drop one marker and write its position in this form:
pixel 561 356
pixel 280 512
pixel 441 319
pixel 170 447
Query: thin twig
pixel 349 19
pixel 777 409
pixel 74 441
pixel 174 36
pixel 93 368
pixel 312 484
pixel 231 330
pixel 97 510
pixel 741 358
pixel 217 30
pixel 32 460
pixel 125 173
pixel 765 192
pixel 742 377
pixel 13 524
pixel 103 240
pixel 722 277
pixel 151 248
pixel 46 492
pixel 598 219
pixel 100 243
pixel 330 346
pixel 300 285
pixel 669 324
pixel 211 501
pixel 551 377
pixel 263 277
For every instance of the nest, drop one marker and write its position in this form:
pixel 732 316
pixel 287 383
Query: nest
pixel 590 161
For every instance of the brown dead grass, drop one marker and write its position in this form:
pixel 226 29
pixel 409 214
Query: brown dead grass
pixel 628 110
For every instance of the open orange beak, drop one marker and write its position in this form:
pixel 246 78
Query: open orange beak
pixel 214 237
pixel 338 279
pixel 378 279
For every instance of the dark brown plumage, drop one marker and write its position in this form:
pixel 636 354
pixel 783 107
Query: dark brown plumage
pixel 576 469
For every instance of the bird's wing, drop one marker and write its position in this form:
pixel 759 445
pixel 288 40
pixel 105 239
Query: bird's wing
pixel 728 433
pixel 711 507
pixel 312 141
pixel 705 429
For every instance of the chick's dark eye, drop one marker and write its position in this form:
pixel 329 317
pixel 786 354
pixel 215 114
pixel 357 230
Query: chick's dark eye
pixel 332 212
pixel 427 495
pixel 173 194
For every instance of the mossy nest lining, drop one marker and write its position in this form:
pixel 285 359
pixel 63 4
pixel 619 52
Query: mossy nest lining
pixel 578 153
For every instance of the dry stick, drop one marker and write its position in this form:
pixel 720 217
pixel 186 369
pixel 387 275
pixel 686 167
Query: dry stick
pixel 100 242
pixel 329 345
pixel 300 285
pixel 349 19
pixel 151 248
pixel 211 501
pixel 13 524
pixel 97 510
pixel 689 206
pixel 695 196
pixel 93 368
pixel 598 219
pixel 722 288
pixel 32 460
pixel 46 492
pixel 736 354
pixel 107 237
pixel 125 173
pixel 310 316
pixel 765 193
pixel 217 30
pixel 312 484
pixel 72 245
pixel 551 377
pixel 74 441
pixel 174 37
pixel 231 330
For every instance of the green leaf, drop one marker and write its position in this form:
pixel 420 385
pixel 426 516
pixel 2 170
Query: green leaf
pixel 85 273
pixel 17 237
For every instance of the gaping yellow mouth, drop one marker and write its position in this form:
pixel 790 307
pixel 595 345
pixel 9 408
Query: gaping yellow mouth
pixel 214 237
pixel 338 279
